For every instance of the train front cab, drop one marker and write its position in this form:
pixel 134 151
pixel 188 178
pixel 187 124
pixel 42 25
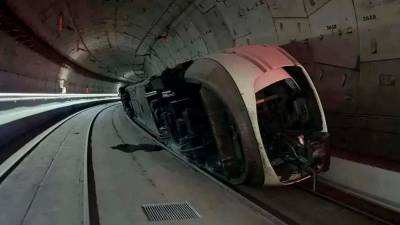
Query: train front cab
pixel 278 130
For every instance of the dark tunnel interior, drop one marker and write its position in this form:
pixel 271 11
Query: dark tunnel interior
pixel 350 50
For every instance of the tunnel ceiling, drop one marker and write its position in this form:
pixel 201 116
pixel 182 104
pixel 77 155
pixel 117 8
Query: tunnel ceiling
pixel 107 37
pixel 133 39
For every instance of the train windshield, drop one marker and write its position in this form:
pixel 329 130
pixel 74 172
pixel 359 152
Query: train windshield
pixel 290 125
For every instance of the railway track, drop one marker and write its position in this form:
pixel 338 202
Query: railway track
pixel 289 205
pixel 8 167
pixel 284 205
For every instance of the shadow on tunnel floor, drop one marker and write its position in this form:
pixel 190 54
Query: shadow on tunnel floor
pixel 128 148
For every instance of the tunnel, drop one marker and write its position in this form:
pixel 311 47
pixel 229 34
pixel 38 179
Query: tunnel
pixel 118 73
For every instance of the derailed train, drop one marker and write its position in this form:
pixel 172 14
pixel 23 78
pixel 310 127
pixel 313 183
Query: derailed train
pixel 247 115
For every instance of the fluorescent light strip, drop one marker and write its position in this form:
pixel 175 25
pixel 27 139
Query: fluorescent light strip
pixel 51 94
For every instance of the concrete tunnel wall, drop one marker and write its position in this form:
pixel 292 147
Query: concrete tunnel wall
pixel 349 47
pixel 22 70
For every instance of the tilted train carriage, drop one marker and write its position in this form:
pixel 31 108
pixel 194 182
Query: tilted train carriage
pixel 247 115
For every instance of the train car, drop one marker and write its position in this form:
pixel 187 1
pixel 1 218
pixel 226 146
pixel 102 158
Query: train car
pixel 247 115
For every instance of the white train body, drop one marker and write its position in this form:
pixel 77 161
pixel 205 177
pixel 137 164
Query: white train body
pixel 247 115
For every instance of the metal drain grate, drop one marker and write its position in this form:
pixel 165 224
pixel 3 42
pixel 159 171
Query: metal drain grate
pixel 170 211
